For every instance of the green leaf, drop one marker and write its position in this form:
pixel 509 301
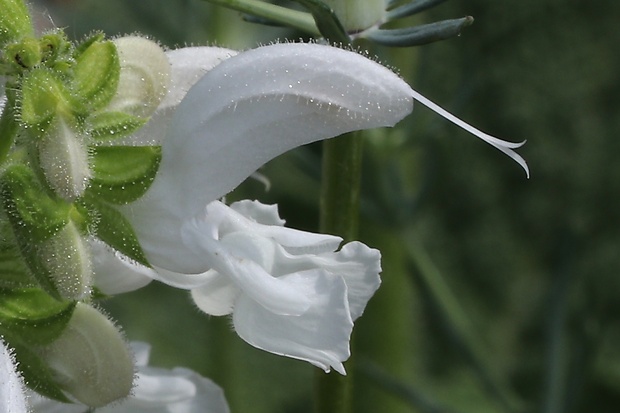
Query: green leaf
pixel 36 373
pixel 14 272
pixel 109 225
pixel 34 214
pixel 409 9
pixel 42 95
pixel 107 126
pixel 122 174
pixel 14 21
pixel 326 21
pixel 96 75
pixel 419 35
pixel 34 218
pixel 32 316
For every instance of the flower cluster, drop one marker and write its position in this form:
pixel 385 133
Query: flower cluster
pixel 114 158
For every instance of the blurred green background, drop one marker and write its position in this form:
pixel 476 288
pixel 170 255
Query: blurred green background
pixel 500 294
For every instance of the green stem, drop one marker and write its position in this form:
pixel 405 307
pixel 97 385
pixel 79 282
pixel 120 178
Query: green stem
pixel 342 161
pixel 291 18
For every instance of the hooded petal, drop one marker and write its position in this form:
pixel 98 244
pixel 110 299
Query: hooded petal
pixel 12 396
pixel 187 66
pixel 319 336
pixel 248 110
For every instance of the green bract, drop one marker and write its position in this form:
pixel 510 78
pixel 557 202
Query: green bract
pixel 34 214
pixel 33 317
pixel 122 174
pixel 43 94
pixel 112 227
pixel 96 75
pixel 14 21
pixel 107 126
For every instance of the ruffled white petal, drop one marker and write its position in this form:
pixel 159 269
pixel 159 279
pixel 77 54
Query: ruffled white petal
pixel 12 395
pixel 217 296
pixel 116 273
pixel 320 336
pixel 247 110
pixel 301 305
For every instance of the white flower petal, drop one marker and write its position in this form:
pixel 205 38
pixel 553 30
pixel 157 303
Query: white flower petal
pixel 319 336
pixel 189 64
pixel 156 386
pixel 116 273
pixel 247 110
pixel 217 296
pixel 359 266
pixel 141 352
pixel 12 395
pixel 240 256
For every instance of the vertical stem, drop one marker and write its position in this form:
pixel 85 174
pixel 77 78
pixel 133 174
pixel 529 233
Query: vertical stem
pixel 342 162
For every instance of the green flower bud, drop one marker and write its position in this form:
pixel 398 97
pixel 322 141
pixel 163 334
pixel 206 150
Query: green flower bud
pixel 356 16
pixel 56 51
pixel 144 77
pixel 91 360
pixel 14 21
pixel 25 54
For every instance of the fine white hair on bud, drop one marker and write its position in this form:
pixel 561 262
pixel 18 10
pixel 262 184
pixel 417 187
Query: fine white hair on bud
pixel 91 360
pixel 67 257
pixel 144 76
pixel 63 156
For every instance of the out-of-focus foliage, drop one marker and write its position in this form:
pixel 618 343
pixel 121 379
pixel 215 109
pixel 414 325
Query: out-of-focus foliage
pixel 498 291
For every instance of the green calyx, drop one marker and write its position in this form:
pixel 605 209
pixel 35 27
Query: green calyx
pixel 14 21
pixel 30 319
pixel 96 75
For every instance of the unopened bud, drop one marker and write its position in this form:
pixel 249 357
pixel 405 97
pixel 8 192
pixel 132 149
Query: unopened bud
pixel 63 157
pixel 144 76
pixel 67 259
pixel 91 360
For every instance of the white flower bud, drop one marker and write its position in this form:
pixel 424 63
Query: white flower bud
pixel 144 77
pixel 91 359
pixel 67 257
pixel 63 156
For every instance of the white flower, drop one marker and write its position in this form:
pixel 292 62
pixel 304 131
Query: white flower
pixel 156 391
pixel 12 396
pixel 288 291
